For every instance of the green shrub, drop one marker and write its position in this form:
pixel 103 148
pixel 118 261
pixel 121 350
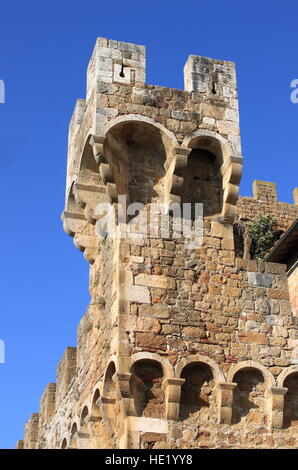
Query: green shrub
pixel 262 234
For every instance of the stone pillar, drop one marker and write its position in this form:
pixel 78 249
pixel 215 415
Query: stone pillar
pixel 123 384
pixel 66 371
pixel 31 432
pixel 264 191
pixel 215 77
pixel 276 402
pixel 225 400
pixel 172 392
pixel 295 195
pixel 115 62
pixel 20 444
pixel 47 402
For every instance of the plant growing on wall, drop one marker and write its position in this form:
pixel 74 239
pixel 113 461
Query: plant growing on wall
pixel 262 234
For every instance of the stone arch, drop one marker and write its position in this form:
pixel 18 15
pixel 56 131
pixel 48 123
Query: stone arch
pixel 135 154
pixel 138 117
pixel 284 374
pixel 166 365
pixel 95 408
pixel 211 141
pixel 198 358
pixel 200 374
pixel 146 387
pixel 268 377
pixel 109 386
pixel 88 167
pixel 73 443
pixel 219 166
pixel 64 443
pixel 203 180
pixel 89 188
pixel 83 419
pixel 197 390
pixel 250 401
pixel 110 393
pixel 288 379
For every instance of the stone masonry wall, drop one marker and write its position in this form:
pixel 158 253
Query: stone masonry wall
pixel 293 290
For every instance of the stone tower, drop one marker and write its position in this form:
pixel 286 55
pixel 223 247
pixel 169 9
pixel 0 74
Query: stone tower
pixel 183 345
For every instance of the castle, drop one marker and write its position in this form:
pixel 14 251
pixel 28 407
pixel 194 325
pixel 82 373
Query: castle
pixel 183 345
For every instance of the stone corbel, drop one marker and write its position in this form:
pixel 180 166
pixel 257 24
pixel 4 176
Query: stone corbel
pixel 225 400
pixel 172 391
pixel 73 222
pixel 88 197
pixel 105 168
pixel 231 172
pixel 123 384
pixel 76 226
pixel 87 245
pixel 81 440
pixel 96 143
pixel 277 397
pixel 175 170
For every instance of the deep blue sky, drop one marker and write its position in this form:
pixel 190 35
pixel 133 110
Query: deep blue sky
pixel 44 51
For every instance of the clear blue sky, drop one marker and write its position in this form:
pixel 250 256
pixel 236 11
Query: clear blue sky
pixel 44 51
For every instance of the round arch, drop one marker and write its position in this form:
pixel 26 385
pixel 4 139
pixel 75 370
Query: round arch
pixel 165 364
pixel 217 372
pixel 217 143
pixel 108 385
pixel 268 377
pixel 284 374
pixel 138 118
pixel 64 443
pixel 84 413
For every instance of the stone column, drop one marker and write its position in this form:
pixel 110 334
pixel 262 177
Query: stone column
pixel 225 400
pixel 172 391
pixel 276 403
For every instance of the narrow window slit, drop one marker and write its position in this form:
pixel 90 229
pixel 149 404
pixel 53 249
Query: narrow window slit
pixel 121 74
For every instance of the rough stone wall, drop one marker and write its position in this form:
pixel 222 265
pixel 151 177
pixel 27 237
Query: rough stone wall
pixel 293 290
pixel 181 346
pixel 264 201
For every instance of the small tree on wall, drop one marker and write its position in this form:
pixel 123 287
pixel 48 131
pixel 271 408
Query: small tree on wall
pixel 262 234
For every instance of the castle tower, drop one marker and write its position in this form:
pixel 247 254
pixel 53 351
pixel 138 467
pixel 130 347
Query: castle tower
pixel 183 344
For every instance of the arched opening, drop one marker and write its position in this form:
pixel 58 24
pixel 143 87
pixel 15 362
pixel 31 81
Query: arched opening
pixel 95 408
pixel 136 151
pixel 83 421
pixel 88 171
pixel 196 390
pixel 203 182
pixel 291 401
pixel 109 388
pixel 146 388
pixel 109 395
pixel 249 397
pixel 73 437
pixel 64 444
